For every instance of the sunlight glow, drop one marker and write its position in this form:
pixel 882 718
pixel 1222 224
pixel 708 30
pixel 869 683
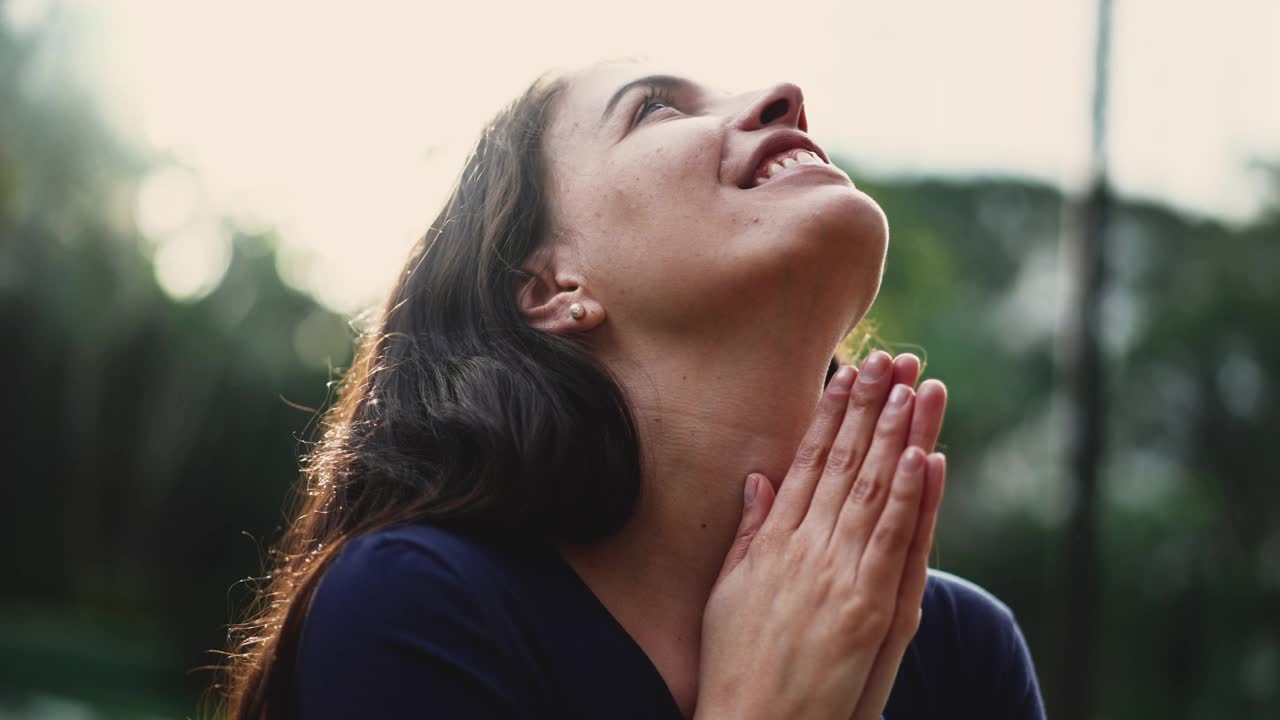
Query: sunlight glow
pixel 190 263
pixel 167 202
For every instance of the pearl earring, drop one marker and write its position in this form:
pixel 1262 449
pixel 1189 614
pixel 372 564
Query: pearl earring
pixel 577 312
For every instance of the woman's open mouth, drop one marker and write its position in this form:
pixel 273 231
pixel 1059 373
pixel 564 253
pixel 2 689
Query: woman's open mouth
pixel 780 163
pixel 783 154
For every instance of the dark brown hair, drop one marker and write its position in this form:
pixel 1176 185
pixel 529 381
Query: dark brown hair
pixel 455 411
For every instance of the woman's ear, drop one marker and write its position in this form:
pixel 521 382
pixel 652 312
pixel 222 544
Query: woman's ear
pixel 556 302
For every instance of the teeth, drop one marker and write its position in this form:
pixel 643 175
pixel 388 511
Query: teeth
pixel 797 157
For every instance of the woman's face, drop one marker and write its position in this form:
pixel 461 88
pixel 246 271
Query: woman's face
pixel 661 189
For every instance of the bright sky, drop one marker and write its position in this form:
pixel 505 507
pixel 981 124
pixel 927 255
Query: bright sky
pixel 344 124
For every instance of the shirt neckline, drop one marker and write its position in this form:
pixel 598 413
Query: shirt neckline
pixel 594 601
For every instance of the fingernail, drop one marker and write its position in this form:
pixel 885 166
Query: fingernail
pixel 898 396
pixel 875 366
pixel 912 460
pixel 749 492
pixel 842 380
pixel 941 458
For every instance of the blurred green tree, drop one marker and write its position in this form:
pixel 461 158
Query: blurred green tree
pixel 149 435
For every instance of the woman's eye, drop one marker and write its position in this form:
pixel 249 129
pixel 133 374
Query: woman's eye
pixel 652 103
pixel 649 107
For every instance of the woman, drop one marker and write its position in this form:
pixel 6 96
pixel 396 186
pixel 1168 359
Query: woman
pixel 586 465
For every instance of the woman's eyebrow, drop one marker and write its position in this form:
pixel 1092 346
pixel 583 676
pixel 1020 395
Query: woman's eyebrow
pixel 665 82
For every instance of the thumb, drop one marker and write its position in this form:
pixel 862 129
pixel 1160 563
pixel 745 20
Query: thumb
pixel 757 499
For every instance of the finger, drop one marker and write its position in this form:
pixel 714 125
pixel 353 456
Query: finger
pixel 935 486
pixel 880 565
pixel 907 616
pixel 916 567
pixel 797 487
pixel 866 404
pixel 915 571
pixel 860 510
pixel 757 499
pixel 906 369
pixel 926 422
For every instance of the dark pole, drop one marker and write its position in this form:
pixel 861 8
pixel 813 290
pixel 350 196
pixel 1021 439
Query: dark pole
pixel 1085 381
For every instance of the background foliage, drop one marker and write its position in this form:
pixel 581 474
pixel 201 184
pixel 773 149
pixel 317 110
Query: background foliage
pixel 152 441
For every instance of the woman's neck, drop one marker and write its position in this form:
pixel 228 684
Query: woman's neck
pixel 706 420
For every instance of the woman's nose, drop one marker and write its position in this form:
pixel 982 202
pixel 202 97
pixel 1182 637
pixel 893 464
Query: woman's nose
pixel 781 105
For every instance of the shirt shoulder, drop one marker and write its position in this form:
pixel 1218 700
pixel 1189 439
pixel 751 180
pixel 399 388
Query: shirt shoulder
pixel 965 608
pixel 969 657
pixel 407 613
pixel 407 570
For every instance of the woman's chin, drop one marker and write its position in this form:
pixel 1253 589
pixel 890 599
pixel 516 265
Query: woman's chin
pixel 843 224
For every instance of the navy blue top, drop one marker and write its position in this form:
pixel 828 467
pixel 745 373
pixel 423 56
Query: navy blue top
pixel 415 621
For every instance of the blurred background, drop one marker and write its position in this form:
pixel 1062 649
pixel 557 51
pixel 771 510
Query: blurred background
pixel 197 200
